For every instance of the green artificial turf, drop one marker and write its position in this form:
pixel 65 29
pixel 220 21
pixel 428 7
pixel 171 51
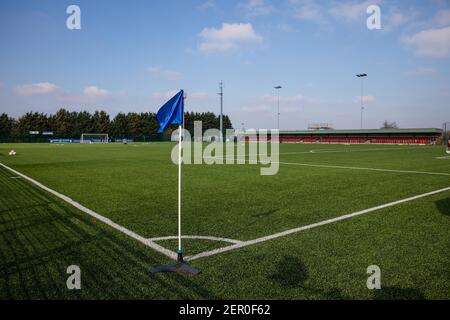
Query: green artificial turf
pixel 135 186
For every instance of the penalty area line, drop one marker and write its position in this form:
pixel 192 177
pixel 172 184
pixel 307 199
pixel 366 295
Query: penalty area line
pixel 97 216
pixel 310 226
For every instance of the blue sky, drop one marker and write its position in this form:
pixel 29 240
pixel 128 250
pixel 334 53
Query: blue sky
pixel 131 55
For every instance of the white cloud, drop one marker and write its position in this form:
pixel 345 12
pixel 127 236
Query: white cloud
pixel 431 43
pixel 365 99
pixel 164 94
pixel 209 4
pixel 352 11
pixel 228 38
pixel 421 71
pixel 286 99
pixel 198 96
pixel 165 74
pixel 256 7
pixel 285 28
pixel 290 110
pixel 190 96
pixel 308 13
pixel 257 108
pixel 315 11
pixel 442 17
pixel 36 88
pixel 94 92
pixel 396 18
pixel 267 104
pixel 307 10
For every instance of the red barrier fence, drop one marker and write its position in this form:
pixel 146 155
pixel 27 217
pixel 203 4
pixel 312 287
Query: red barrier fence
pixel 374 140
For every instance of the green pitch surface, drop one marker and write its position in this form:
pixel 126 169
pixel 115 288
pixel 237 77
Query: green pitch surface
pixel 135 186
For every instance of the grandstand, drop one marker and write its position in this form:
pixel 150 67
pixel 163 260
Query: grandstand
pixel 371 136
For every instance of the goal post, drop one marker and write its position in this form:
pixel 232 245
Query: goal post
pixel 94 138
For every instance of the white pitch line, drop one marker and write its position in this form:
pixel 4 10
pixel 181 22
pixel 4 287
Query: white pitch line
pixel 444 158
pixel 363 168
pixel 320 151
pixel 310 226
pixel 197 237
pixel 103 219
pixel 347 167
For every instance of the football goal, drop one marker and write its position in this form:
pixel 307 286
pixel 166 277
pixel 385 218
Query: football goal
pixel 94 138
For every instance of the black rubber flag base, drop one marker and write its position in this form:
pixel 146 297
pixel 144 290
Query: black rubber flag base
pixel 180 266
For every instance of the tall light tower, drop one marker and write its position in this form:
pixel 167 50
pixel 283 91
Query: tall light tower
pixel 362 76
pixel 221 110
pixel 278 113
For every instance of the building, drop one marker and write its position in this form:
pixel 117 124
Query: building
pixel 372 136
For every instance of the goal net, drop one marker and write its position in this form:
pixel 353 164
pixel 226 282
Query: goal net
pixel 94 138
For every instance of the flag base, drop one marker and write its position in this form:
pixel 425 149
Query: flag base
pixel 179 267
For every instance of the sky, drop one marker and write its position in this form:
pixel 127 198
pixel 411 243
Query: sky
pixel 131 56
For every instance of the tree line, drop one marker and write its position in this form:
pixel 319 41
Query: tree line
pixel 71 124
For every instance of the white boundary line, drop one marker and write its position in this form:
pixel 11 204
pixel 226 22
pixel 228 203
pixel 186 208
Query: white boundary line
pixel 363 168
pixel 197 237
pixel 444 158
pixel 346 167
pixel 97 216
pixel 310 226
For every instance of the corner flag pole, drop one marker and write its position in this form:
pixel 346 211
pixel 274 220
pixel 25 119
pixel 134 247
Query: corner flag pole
pixel 180 249
pixel 165 116
pixel 180 141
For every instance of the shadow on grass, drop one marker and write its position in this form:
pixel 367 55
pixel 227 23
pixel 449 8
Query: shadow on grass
pixel 35 256
pixel 264 214
pixel 395 293
pixel 293 274
pixel 257 218
pixel 444 206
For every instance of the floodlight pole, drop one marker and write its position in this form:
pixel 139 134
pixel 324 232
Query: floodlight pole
pixel 362 76
pixel 221 110
pixel 278 103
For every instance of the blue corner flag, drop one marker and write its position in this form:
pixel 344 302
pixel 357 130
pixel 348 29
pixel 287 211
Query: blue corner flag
pixel 171 112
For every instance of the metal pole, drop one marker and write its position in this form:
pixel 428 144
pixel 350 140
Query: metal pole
pixel 221 110
pixel 180 250
pixel 278 109
pixel 180 141
pixel 278 104
pixel 362 105
pixel 362 95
